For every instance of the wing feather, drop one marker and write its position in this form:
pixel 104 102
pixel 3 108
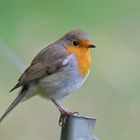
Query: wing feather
pixel 39 70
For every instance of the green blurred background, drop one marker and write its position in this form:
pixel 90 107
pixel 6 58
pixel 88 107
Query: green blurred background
pixel 111 93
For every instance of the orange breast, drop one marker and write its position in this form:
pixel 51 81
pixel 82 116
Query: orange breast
pixel 83 57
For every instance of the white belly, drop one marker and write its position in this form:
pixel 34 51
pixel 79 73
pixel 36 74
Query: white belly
pixel 60 86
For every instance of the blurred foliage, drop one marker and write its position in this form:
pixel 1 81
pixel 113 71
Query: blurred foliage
pixel 111 93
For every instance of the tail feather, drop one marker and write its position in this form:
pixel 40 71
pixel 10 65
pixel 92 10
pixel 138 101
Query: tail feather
pixel 14 104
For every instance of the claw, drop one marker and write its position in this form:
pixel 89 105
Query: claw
pixel 64 116
pixel 63 113
pixel 62 119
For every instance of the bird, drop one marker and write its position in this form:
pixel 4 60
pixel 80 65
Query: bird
pixel 57 71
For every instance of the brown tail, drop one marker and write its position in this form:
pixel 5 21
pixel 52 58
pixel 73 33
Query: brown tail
pixel 14 103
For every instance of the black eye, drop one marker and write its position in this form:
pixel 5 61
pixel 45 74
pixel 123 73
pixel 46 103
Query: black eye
pixel 75 43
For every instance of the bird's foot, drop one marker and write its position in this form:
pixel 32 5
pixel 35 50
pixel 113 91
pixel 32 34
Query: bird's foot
pixel 64 115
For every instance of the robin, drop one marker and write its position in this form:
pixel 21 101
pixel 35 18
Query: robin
pixel 56 71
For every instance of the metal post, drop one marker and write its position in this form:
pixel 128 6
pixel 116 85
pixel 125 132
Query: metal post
pixel 78 128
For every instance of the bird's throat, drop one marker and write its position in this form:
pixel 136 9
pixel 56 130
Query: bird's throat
pixel 83 57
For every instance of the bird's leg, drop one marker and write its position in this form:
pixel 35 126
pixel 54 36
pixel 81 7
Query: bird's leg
pixel 63 113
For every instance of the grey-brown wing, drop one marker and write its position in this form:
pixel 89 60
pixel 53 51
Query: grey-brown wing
pixel 39 70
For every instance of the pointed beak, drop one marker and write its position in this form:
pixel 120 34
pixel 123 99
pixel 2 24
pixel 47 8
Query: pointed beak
pixel 87 44
pixel 91 46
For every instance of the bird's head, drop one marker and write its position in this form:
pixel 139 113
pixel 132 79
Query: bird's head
pixel 78 43
pixel 78 39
